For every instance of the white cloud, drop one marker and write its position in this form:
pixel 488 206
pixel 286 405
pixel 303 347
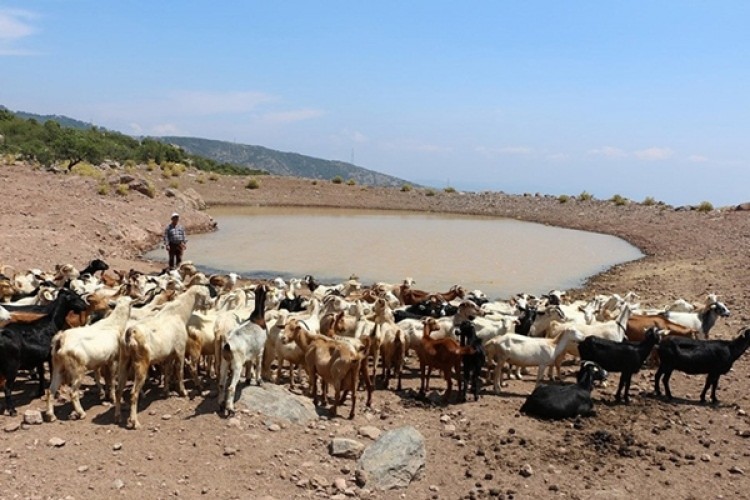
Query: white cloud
pixel 608 152
pixel 165 129
pixel 697 159
pixel 292 116
pixel 194 102
pixel 15 25
pixel 504 151
pixel 654 154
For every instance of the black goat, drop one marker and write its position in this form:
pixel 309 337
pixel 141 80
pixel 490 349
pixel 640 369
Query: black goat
pixel 28 345
pixel 556 402
pixel 472 362
pixel 94 266
pixel 623 357
pixel 295 304
pixel 694 357
pixel 526 319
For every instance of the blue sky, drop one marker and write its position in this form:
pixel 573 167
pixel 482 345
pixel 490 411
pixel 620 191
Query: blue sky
pixel 639 98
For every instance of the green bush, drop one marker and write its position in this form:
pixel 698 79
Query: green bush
pixel 705 206
pixel 563 198
pixel 150 189
pixel 449 189
pixel 649 201
pixel 200 179
pixel 619 200
pixel 252 183
pixel 585 196
pixel 122 189
pixel 174 184
pixel 337 180
pixel 213 176
pixel 85 169
pixel 314 183
pixel 406 188
pixel 103 189
pixel 429 192
pixel 351 182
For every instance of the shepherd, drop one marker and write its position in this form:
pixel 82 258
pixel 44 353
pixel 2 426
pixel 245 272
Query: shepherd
pixel 175 241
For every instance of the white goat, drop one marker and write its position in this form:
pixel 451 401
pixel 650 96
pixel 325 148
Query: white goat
pixel 92 347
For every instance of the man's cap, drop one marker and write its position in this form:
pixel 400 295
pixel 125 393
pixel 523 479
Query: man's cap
pixel 175 214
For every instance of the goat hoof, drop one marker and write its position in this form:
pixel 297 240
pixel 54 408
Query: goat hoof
pixel 49 417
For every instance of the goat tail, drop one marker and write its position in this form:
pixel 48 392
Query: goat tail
pixel 56 344
pixel 226 351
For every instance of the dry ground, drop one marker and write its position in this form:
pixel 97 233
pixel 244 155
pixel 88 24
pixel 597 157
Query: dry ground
pixel 678 450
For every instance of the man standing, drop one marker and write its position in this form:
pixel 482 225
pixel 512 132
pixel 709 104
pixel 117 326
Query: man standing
pixel 175 241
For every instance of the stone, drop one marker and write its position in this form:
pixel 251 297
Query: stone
pixel 117 446
pixel 32 417
pixel 56 442
pixel 118 484
pixel 12 427
pixel 743 207
pixel 526 470
pixel 196 199
pixel 395 459
pixel 277 402
pixel 82 468
pixel 229 451
pixel 736 470
pixel 340 484
pixel 346 448
pixel 369 431
pixel 274 427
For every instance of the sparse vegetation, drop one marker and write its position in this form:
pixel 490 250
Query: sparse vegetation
pixel 429 192
pixel 649 201
pixel 252 183
pixel 103 188
pixel 201 179
pixel 85 169
pixel 174 184
pixel 406 188
pixel 585 196
pixel 314 183
pixel 351 182
pixel 150 189
pixel 122 189
pixel 563 198
pixel 619 200
pixel 337 180
pixel 449 189
pixel 213 176
pixel 705 206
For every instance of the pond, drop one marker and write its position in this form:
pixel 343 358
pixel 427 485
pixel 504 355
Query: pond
pixel 498 256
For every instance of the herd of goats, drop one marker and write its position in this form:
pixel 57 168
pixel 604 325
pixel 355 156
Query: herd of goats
pixel 121 326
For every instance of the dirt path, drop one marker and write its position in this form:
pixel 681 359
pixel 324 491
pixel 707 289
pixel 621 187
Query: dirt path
pixel 680 450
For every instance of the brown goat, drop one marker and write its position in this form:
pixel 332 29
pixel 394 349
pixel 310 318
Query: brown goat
pixel 444 354
pixel 639 323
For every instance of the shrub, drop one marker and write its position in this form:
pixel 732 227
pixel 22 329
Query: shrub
pixel 87 170
pixel 563 198
pixel 166 172
pixel 351 182
pixel 406 188
pixel 103 188
pixel 252 183
pixel 130 163
pixel 151 165
pixel 314 183
pixel 585 196
pixel 705 206
pixel 213 176
pixel 150 189
pixel 122 189
pixel 200 179
pixel 174 184
pixel 619 200
pixel 429 192
pixel 449 189
pixel 649 201
pixel 337 180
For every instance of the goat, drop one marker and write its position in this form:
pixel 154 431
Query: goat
pixel 520 350
pixel 694 357
pixel 555 402
pixel 77 350
pixel 443 354
pixel 472 361
pixel 623 357
pixel 701 321
pixel 29 345
pixel 638 324
pixel 96 265
pixel 243 347
pixel 157 339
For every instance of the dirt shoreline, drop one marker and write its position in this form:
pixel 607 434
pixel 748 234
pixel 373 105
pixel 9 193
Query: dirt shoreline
pixel 683 449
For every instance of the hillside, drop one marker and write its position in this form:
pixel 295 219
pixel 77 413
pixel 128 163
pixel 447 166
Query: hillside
pixel 281 163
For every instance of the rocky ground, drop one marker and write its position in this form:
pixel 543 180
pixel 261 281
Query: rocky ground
pixel 483 449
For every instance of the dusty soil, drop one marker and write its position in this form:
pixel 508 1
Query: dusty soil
pixel 679 450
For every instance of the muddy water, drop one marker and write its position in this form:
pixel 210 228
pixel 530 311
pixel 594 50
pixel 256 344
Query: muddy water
pixel 499 256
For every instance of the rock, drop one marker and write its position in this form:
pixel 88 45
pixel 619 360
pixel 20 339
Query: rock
pixel 32 417
pixel 319 482
pixel 339 483
pixel 743 207
pixel 360 477
pixel 117 446
pixel 12 427
pixel 118 484
pixel 143 187
pixel 166 416
pixel 277 402
pixel 526 470
pixel 56 442
pixel 195 198
pixel 736 470
pixel 396 458
pixel 705 457
pixel 369 431
pixel 346 448
pixel 82 468
pixel 274 427
pixel 229 451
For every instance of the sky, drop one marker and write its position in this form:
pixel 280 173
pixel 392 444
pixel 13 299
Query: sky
pixel 637 98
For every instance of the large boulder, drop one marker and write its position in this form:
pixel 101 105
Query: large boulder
pixel 743 207
pixel 186 199
pixel 276 402
pixel 394 460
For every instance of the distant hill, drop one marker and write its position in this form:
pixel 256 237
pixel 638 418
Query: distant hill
pixel 62 120
pixel 281 163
